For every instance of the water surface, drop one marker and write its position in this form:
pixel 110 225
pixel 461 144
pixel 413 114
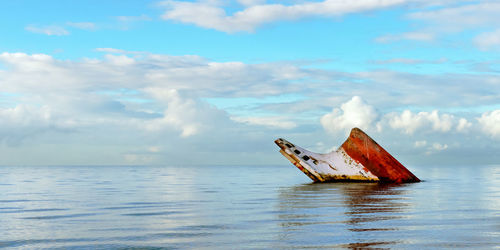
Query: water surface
pixel 238 207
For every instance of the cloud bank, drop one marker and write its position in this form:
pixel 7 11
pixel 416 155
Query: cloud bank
pixel 477 17
pixel 210 14
pixel 138 108
pixel 357 113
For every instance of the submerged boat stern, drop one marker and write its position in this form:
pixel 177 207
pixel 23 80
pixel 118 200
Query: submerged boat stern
pixel 359 158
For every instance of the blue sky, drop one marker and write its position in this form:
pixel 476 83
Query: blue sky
pixel 214 82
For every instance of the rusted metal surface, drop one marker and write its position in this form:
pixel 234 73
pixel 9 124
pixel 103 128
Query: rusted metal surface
pixel 359 158
pixel 367 152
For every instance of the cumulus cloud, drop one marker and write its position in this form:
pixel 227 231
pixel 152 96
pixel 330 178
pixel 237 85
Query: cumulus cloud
pixel 187 115
pixel 409 122
pixel 126 102
pixel 434 134
pixel 490 123
pixel 354 113
pixel 157 94
pixel 463 125
pixel 209 14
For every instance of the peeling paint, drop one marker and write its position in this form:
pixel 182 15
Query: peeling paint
pixel 359 158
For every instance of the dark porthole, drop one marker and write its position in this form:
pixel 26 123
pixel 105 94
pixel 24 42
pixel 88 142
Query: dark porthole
pixel 296 151
pixel 305 157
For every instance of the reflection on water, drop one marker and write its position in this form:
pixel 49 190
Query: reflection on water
pixel 456 207
pixel 346 215
pixel 228 207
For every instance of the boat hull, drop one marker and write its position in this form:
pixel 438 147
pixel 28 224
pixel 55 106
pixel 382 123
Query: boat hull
pixel 359 158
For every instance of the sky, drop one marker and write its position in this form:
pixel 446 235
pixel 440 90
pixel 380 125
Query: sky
pixel 214 82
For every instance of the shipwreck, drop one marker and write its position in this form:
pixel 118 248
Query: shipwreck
pixel 359 158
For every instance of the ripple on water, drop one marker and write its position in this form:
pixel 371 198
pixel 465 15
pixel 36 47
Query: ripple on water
pixel 63 216
pixel 152 207
pixel 15 200
pixel 152 213
pixel 20 210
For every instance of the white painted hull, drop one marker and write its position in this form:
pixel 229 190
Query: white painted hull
pixel 337 165
pixel 359 158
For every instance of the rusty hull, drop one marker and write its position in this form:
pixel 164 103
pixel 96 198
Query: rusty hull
pixel 359 158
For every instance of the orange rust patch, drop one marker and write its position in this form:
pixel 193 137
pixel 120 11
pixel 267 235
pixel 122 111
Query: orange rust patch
pixel 366 151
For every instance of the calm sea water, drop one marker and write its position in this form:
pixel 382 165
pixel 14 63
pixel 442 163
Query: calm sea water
pixel 237 207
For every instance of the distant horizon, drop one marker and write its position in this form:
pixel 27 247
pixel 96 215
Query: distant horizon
pixel 213 82
pixel 283 163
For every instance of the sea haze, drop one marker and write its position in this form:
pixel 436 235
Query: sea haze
pixel 238 207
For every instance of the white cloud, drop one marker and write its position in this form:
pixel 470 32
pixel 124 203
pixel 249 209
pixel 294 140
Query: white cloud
pixel 439 147
pixel 354 113
pixel 211 15
pixel 488 40
pixel 51 30
pixel 120 60
pixel 415 36
pixel 122 104
pixel 463 125
pixel 184 114
pixel 436 148
pixel 82 90
pixel 455 17
pixel 458 18
pixel 23 115
pixel 420 144
pixel 442 122
pixel 24 121
pixel 490 123
pixel 28 73
pixel 409 122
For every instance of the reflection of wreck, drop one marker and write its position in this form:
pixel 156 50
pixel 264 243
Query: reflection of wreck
pixel 359 158
pixel 344 215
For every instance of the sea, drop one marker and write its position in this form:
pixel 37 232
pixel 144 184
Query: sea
pixel 244 207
